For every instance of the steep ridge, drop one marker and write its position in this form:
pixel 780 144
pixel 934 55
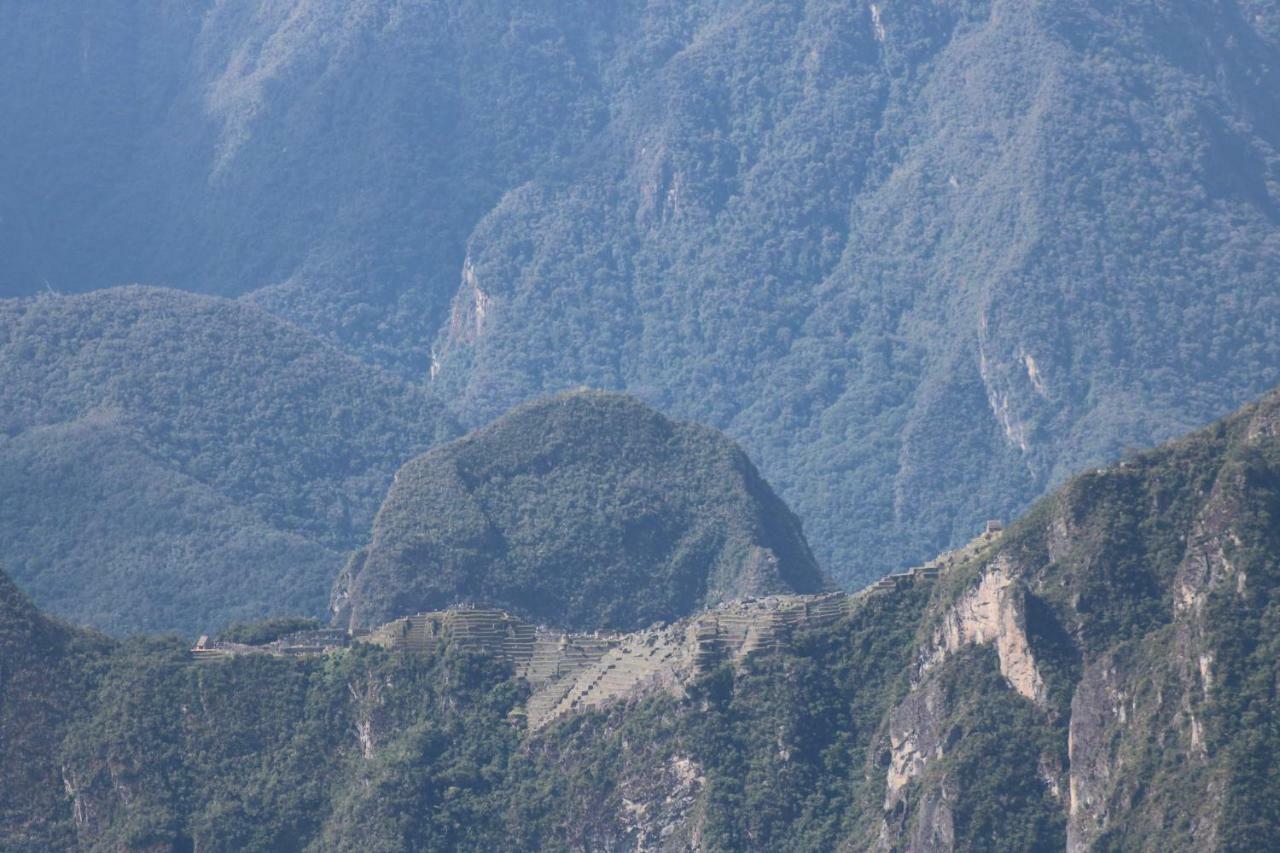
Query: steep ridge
pixel 172 462
pixel 44 687
pixel 1102 674
pixel 584 511
pixel 1133 612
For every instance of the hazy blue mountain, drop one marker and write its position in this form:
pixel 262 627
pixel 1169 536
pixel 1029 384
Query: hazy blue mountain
pixel 174 461
pixel 921 259
pixel 585 511
pixel 922 263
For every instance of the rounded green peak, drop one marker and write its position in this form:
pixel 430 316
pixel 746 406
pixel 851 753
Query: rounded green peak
pixel 585 510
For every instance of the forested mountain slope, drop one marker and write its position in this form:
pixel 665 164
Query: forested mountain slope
pixel 1101 677
pixel 45 684
pixel 922 259
pixel 174 461
pixel 1135 611
pixel 586 511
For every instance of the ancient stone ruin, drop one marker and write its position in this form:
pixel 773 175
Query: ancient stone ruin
pixel 297 644
pixel 570 672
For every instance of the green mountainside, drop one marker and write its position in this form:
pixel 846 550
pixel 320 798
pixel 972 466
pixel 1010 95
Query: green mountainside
pixel 924 262
pixel 1102 676
pixel 588 510
pixel 174 461
pixel 922 259
pixel 47 679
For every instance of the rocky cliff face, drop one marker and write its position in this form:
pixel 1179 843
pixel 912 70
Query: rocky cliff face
pixel 993 612
pixel 1102 676
pixel 1111 610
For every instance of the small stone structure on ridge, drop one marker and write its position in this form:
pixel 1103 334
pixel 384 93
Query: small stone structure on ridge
pixel 568 672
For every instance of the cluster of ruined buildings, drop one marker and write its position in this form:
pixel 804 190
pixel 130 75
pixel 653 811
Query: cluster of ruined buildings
pixel 935 567
pixel 297 644
pixel 567 671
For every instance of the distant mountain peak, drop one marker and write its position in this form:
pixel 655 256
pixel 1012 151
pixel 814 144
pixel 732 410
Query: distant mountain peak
pixel 583 510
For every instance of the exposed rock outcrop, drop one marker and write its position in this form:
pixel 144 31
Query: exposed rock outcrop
pixel 992 612
pixel 914 740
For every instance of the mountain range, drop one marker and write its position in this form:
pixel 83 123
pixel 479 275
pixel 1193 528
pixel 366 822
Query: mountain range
pixel 464 425
pixel 1101 675
pixel 922 260
pixel 170 461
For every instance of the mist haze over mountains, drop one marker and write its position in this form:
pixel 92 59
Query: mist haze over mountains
pixel 454 424
pixel 174 462
pixel 922 260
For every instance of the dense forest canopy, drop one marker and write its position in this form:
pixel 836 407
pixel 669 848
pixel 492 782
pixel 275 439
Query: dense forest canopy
pixel 587 511
pixel 921 259
pixel 1119 643
pixel 170 461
